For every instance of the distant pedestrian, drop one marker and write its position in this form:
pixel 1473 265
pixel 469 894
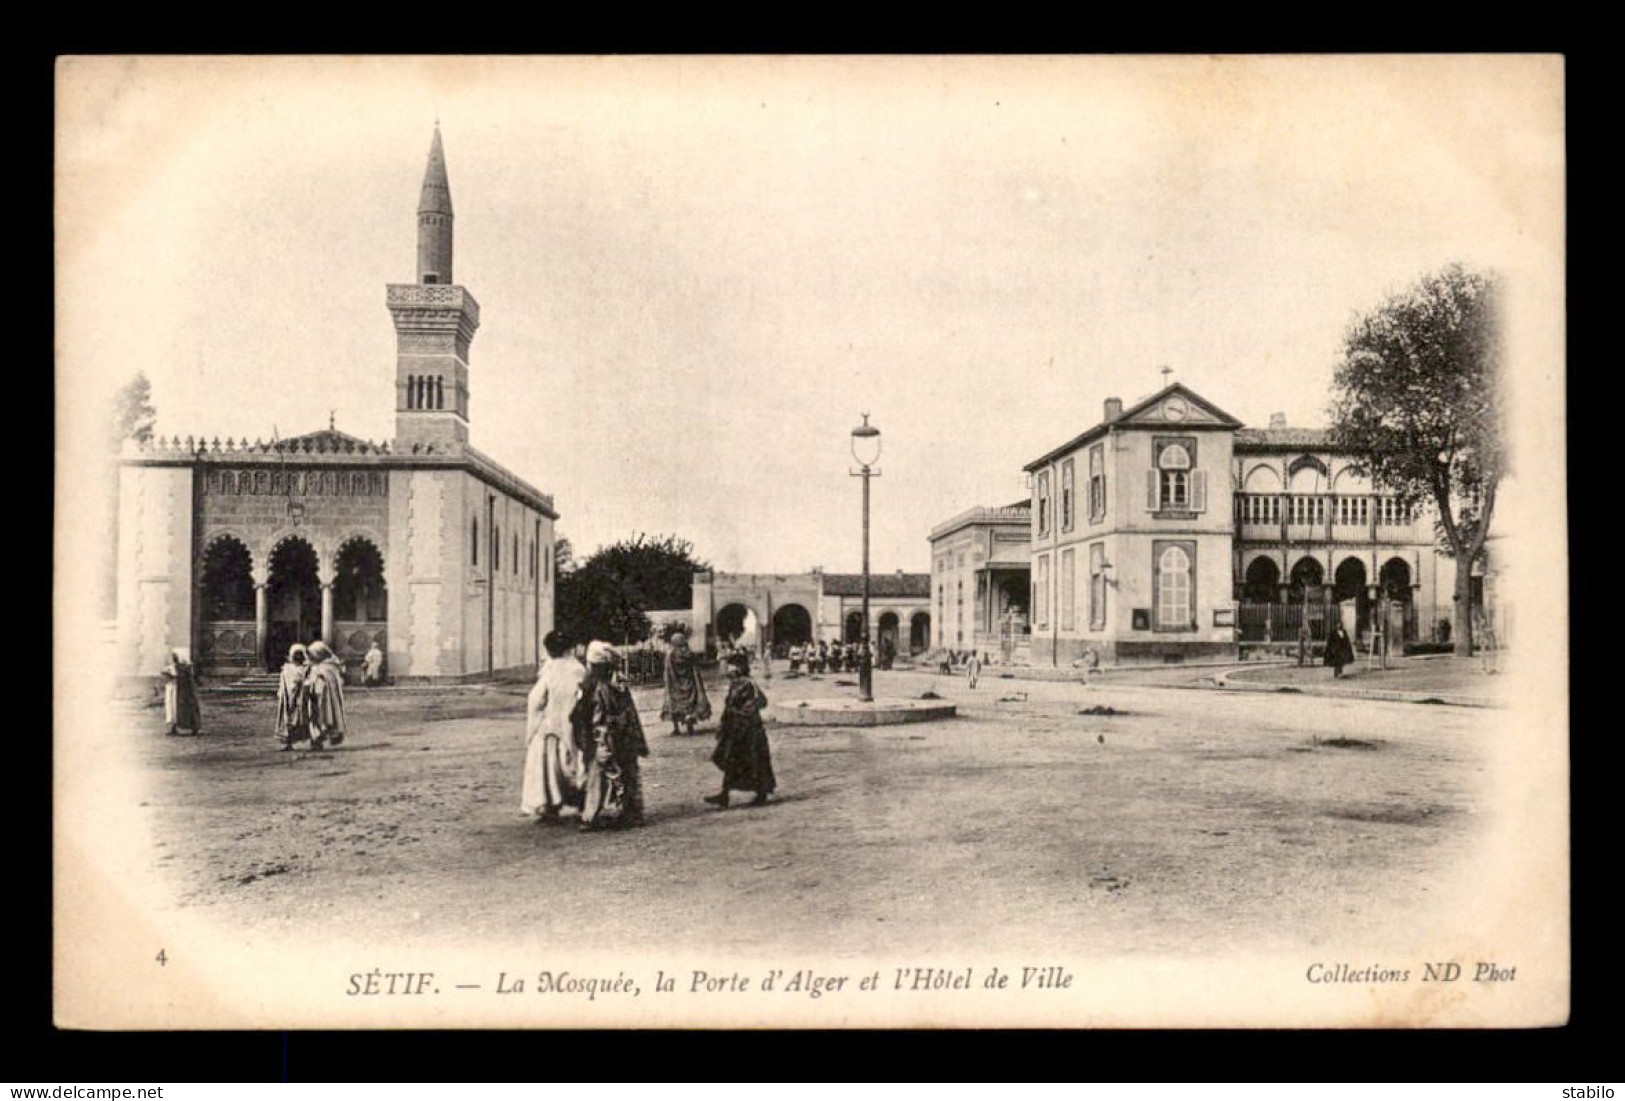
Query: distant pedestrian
pixel 372 666
pixel 1339 650
pixel 686 702
pixel 742 751
pixel 181 710
pixel 555 772
pixel 293 699
pixel 614 796
pixel 326 685
pixel 973 668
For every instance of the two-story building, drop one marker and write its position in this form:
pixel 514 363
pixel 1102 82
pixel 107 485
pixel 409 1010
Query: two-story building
pixel 1130 547
pixel 1306 519
pixel 1171 532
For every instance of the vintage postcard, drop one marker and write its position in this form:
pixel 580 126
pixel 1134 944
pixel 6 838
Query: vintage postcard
pixel 811 541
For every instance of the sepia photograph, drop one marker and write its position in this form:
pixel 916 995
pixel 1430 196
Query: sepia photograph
pixel 810 542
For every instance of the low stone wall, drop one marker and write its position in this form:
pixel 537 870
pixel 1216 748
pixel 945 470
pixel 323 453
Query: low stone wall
pixel 1117 652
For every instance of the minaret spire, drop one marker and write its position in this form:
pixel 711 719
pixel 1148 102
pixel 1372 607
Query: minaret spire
pixel 435 320
pixel 435 218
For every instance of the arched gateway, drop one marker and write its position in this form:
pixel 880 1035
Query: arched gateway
pixel 816 606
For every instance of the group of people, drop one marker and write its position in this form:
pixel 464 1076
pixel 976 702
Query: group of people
pixel 827 657
pixel 584 742
pixel 310 698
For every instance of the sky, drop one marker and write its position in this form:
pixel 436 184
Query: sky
pixel 695 274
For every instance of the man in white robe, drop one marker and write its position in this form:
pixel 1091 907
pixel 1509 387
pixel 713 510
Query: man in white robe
pixel 555 770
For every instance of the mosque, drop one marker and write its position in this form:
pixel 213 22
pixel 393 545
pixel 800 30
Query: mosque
pixel 231 552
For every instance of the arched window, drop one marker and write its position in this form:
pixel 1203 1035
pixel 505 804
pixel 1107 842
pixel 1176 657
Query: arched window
pixel 1174 465
pixel 496 547
pixel 474 540
pixel 1173 589
pixel 411 395
pixel 516 554
pixel 440 391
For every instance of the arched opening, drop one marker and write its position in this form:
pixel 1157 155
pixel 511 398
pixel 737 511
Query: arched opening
pixel 1348 583
pixel 1263 581
pixel 792 624
pixel 359 593
pixel 1306 573
pixel 919 632
pixel 360 600
pixel 1395 579
pixel 852 630
pixel 226 605
pixel 738 624
pixel 293 599
pixel 886 639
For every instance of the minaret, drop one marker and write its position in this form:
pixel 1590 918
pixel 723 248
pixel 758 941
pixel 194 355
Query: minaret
pixel 434 322
pixel 434 218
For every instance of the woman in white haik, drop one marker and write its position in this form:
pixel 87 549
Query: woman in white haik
pixel 555 770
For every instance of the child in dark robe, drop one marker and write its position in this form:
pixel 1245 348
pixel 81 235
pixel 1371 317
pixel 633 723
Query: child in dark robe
pixel 742 752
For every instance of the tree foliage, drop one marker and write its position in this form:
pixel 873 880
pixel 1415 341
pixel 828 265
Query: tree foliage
pixel 133 415
pixel 606 596
pixel 1418 397
pixel 130 417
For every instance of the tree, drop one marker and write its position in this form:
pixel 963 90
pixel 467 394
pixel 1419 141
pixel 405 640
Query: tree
pixel 607 595
pixel 1418 397
pixel 564 556
pixel 133 414
pixel 130 418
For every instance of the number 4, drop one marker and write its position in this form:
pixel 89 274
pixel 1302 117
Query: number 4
pixel 161 958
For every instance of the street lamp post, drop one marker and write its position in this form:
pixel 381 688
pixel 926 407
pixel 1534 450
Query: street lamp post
pixel 866 450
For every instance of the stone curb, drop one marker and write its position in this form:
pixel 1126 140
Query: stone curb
pixel 1223 682
pixel 1064 675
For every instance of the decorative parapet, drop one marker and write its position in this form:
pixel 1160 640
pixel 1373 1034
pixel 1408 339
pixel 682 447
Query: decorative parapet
pixel 204 448
pixel 408 297
pixel 984 515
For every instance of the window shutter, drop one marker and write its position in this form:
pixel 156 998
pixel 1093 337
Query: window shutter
pixel 1151 490
pixel 1199 491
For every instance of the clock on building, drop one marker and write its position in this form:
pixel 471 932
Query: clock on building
pixel 1174 409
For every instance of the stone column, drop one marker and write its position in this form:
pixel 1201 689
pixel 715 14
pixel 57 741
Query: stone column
pixel 327 611
pixel 262 617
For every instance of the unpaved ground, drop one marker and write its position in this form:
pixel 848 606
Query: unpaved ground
pixel 1194 822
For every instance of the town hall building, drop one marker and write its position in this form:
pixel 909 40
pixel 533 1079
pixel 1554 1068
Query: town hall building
pixel 232 552
pixel 1169 531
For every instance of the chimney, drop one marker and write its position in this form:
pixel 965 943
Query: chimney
pixel 1277 420
pixel 1114 408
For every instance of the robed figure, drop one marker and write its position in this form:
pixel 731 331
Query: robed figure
pixel 293 698
pixel 686 702
pixel 614 797
pixel 555 768
pixel 1339 650
pixel 742 752
pixel 181 710
pixel 325 683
